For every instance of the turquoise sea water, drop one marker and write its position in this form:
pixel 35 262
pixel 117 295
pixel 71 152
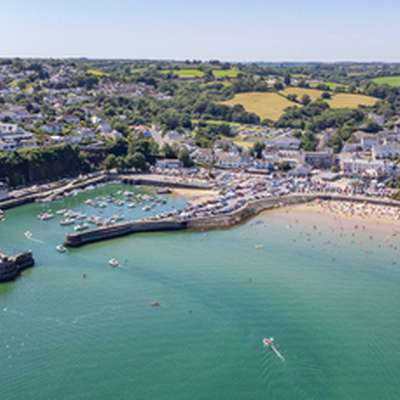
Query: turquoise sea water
pixel 332 306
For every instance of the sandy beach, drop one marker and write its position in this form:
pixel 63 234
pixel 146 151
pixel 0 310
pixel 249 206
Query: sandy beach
pixel 195 196
pixel 346 216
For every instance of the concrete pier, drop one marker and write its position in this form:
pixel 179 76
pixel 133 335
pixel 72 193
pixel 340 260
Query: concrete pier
pixel 118 230
pixel 11 267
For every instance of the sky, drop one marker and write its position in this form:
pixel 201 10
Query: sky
pixel 229 30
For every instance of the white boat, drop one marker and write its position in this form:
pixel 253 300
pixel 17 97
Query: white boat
pixel 81 227
pixel 113 262
pixel 67 221
pixel 46 216
pixel 61 249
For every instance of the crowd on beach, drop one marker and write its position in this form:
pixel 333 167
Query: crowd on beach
pixel 362 210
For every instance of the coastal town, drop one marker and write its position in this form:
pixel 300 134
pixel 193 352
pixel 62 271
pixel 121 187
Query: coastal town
pixel 199 200
pixel 50 111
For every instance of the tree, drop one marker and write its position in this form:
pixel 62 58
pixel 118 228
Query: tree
pixel 306 100
pixel 326 96
pixel 336 143
pixel 309 141
pixel 147 147
pixel 284 166
pixel 168 151
pixel 288 80
pixel 372 127
pixel 137 161
pixel 258 149
pixel 185 158
pixel 110 162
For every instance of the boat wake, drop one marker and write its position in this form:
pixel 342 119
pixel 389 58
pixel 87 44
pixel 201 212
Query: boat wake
pixel 28 235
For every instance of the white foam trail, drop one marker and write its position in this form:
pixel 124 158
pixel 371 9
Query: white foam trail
pixel 28 235
pixel 279 355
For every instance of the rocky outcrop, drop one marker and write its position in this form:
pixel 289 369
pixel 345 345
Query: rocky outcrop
pixel 11 267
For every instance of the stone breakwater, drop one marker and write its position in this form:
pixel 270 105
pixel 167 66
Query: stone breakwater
pixel 11 267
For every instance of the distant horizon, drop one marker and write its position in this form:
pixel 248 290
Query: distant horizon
pixel 302 30
pixel 205 60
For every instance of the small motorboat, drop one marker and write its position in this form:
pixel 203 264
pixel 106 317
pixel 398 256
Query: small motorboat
pixel 81 227
pixel 67 221
pixel 46 216
pixel 155 303
pixel 113 262
pixel 61 249
pixel 269 343
pixel 166 190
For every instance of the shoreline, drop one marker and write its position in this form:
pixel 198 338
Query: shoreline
pixel 222 221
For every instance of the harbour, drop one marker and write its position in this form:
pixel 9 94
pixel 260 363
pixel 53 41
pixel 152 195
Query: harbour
pixel 271 276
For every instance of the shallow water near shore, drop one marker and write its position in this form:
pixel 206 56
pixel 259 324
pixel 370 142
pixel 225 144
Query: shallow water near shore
pixel 328 294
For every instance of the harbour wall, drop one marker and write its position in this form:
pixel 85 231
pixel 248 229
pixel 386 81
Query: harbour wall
pixel 11 267
pixel 239 216
pixel 118 230
pixel 248 211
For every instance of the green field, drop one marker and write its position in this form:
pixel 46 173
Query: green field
pixel 185 73
pixel 331 85
pixel 388 80
pixel 266 105
pixel 96 72
pixel 225 73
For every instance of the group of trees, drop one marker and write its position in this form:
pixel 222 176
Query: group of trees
pixel 140 153
pixel 28 166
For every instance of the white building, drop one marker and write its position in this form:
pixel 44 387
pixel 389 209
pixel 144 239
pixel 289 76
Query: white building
pixel 367 168
pixel 390 152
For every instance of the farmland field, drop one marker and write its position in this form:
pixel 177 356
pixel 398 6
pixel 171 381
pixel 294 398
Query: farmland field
pixel 300 92
pixel 388 80
pixel 185 73
pixel 332 85
pixel 96 72
pixel 344 100
pixel 225 73
pixel 266 105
